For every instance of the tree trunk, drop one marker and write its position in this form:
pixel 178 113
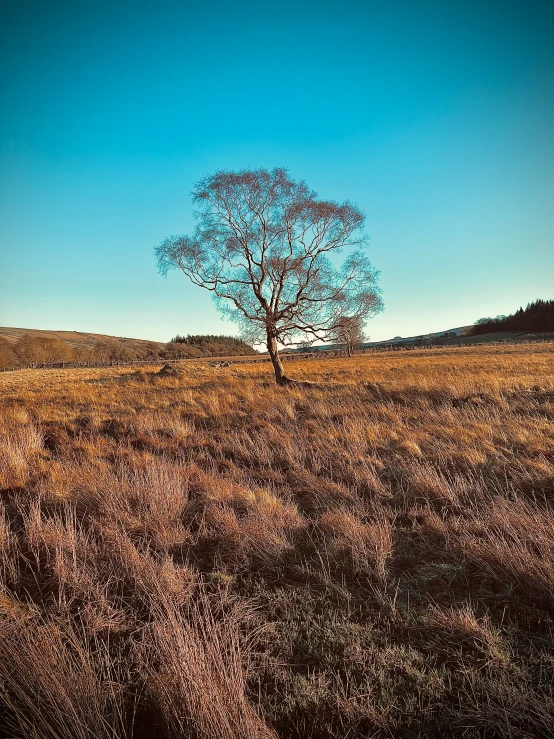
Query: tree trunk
pixel 280 376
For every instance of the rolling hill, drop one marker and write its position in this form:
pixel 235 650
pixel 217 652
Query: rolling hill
pixel 76 339
pixel 21 347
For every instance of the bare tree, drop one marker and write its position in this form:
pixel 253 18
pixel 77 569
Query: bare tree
pixel 349 332
pixel 264 245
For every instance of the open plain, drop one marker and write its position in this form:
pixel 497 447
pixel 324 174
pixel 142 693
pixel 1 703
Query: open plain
pixel 211 556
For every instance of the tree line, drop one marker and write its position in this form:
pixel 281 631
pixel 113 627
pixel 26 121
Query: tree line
pixel 191 346
pixel 537 316
pixel 46 350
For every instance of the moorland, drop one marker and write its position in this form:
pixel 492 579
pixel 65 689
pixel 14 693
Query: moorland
pixel 209 555
pixel 25 348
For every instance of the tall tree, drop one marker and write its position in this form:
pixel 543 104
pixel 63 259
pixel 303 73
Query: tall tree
pixel 264 245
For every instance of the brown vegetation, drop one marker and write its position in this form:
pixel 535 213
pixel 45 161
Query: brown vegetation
pixel 209 555
pixel 25 347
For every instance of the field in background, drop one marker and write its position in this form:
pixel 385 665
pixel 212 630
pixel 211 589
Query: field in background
pixel 462 340
pixel 212 556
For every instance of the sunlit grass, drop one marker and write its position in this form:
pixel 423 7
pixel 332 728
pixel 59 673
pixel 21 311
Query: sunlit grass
pixel 210 555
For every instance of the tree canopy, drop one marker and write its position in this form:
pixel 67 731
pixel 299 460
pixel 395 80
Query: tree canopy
pixel 264 245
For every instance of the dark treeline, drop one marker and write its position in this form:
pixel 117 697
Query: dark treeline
pixel 208 339
pixel 537 316
pixel 207 345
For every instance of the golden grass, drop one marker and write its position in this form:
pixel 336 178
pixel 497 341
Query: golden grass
pixel 210 555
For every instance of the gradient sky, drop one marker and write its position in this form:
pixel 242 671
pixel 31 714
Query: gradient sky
pixel 436 118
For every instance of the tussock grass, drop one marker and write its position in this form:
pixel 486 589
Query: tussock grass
pixel 370 553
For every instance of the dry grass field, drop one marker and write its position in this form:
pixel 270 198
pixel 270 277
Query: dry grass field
pixel 211 556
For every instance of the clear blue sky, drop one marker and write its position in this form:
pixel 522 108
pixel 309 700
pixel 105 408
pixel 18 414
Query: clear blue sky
pixel 437 118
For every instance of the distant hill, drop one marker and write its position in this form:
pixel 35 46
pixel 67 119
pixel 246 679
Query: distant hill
pixel 463 335
pixel 77 339
pixel 447 334
pixel 22 346
pixel 449 338
pixel 444 336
